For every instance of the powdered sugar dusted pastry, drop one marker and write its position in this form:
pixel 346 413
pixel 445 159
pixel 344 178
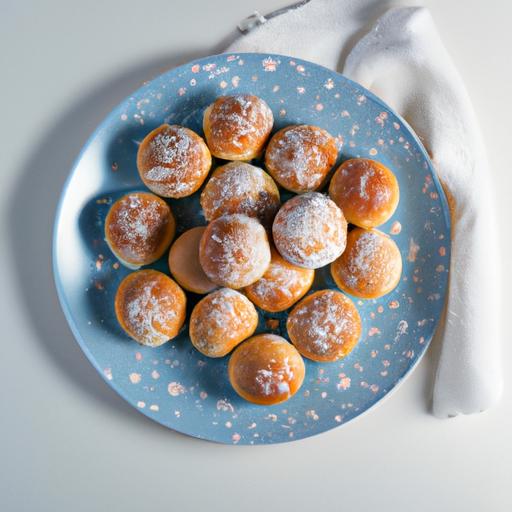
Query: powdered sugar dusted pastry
pixel 366 190
pixel 234 251
pixel 371 265
pixel 324 326
pixel 310 231
pixel 138 228
pixel 239 187
pixel 220 321
pixel 150 307
pixel 184 262
pixel 237 127
pixel 281 286
pixel 173 161
pixel 300 157
pixel 266 370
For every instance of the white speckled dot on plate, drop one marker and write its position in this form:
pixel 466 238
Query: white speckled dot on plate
pixel 174 384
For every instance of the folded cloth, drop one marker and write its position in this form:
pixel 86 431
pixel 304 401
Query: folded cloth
pixel 397 53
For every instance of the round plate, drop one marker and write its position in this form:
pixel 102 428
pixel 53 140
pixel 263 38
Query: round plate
pixel 174 384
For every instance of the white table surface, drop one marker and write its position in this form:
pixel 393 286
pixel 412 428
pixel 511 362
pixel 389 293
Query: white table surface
pixel 68 441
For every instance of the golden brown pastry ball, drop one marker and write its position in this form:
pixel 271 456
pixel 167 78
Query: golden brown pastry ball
pixel 138 228
pixel 237 127
pixel 234 251
pixel 371 265
pixel 150 307
pixel 281 286
pixel 173 161
pixel 220 321
pixel 239 187
pixel 324 326
pixel 300 157
pixel 266 370
pixel 309 230
pixel 184 262
pixel 366 190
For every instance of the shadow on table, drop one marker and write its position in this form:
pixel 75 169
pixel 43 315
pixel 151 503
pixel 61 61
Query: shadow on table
pixel 31 215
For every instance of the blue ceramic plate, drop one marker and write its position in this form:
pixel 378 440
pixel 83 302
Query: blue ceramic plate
pixel 174 384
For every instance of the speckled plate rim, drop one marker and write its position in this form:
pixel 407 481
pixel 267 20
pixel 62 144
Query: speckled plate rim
pixel 115 111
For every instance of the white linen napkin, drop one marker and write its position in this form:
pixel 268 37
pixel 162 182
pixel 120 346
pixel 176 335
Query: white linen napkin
pixel 397 53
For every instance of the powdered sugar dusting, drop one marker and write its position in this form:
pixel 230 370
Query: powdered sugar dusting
pixel 362 178
pixel 244 118
pixel 299 156
pixel 310 230
pixel 281 285
pixel 279 278
pixel 239 187
pixel 325 323
pixel 145 311
pixel 362 183
pixel 136 226
pixel 273 381
pixel 368 262
pixel 174 161
pixel 366 255
pixel 237 252
pixel 219 320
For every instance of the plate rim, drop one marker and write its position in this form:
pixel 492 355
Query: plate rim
pixel 58 211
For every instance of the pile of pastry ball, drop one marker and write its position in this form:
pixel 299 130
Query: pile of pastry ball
pixel 254 250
